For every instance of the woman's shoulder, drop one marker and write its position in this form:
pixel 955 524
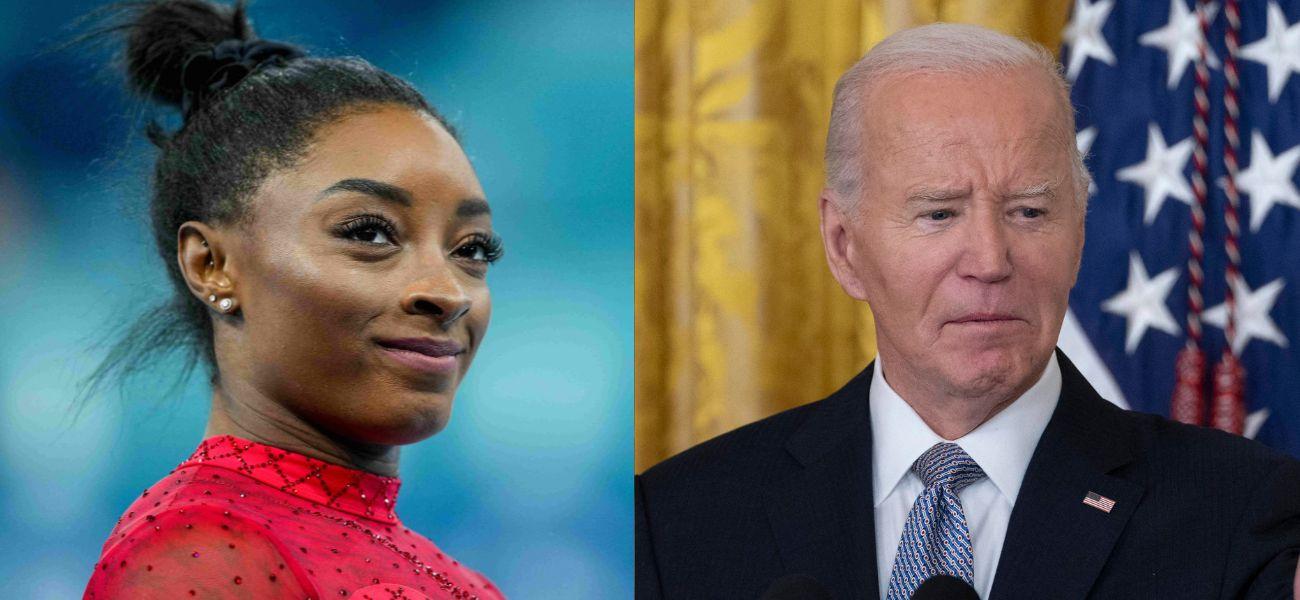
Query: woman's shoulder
pixel 193 490
pixel 187 535
pixel 199 549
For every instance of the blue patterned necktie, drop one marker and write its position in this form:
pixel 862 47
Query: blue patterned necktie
pixel 936 540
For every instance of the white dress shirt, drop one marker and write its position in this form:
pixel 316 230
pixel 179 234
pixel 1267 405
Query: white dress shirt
pixel 1001 446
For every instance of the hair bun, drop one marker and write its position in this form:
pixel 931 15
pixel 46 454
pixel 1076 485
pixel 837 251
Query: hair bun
pixel 163 35
pixel 207 72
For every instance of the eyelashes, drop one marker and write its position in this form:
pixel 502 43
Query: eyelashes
pixel 366 225
pixel 485 248
pixel 374 230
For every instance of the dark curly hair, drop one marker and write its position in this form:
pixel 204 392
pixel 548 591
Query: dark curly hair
pixel 248 107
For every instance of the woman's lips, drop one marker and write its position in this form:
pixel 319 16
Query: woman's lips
pixel 423 354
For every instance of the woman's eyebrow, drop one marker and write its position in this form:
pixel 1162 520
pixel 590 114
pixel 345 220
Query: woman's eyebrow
pixel 369 187
pixel 472 207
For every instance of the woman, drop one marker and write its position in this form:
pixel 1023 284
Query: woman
pixel 328 242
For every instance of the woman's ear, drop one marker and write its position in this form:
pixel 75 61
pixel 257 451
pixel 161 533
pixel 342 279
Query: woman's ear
pixel 205 263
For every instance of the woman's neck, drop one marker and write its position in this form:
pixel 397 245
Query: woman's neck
pixel 252 416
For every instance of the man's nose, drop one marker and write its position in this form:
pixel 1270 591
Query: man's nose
pixel 986 255
pixel 437 293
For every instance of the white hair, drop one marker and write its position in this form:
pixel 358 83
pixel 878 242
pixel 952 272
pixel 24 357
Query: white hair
pixel 935 48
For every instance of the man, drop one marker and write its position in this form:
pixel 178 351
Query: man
pixel 955 205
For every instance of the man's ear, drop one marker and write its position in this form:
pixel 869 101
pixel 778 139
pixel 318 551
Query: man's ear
pixel 205 263
pixel 842 252
pixel 1078 250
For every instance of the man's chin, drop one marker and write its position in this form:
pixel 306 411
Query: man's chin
pixel 991 372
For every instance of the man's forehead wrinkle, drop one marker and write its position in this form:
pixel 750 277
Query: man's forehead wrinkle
pixel 930 136
pixel 899 137
pixel 1035 155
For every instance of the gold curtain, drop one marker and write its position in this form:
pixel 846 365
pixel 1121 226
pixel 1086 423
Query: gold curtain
pixel 737 315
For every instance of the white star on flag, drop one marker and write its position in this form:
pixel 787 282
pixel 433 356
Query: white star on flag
pixel 1083 34
pixel 1252 314
pixel 1254 421
pixel 1268 180
pixel 1142 303
pixel 1161 173
pixel 1083 141
pixel 1279 51
pixel 1180 39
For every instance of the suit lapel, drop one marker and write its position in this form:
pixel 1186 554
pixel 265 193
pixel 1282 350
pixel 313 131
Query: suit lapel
pixel 821 511
pixel 1055 544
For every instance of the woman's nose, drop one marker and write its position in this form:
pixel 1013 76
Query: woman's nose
pixel 440 296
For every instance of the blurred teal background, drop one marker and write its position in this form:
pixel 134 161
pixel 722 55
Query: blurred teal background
pixel 531 482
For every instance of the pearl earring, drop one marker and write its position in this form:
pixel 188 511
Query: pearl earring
pixel 225 304
pixel 212 298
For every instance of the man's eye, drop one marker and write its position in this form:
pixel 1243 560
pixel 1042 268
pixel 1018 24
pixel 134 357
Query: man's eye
pixel 1031 213
pixel 939 215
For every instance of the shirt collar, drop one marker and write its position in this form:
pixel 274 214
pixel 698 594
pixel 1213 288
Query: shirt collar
pixel 352 491
pixel 1001 446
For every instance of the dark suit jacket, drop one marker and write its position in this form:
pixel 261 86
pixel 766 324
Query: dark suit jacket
pixel 1198 513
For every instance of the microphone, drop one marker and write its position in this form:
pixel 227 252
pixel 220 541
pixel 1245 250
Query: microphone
pixel 796 587
pixel 945 587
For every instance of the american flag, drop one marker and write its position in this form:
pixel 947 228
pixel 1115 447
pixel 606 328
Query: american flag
pixel 1099 502
pixel 1134 68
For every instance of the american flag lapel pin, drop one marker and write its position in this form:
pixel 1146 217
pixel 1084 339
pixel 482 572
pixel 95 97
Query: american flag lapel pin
pixel 1099 502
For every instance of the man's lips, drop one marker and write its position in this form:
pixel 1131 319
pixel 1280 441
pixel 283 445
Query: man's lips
pixel 985 317
pixel 427 355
